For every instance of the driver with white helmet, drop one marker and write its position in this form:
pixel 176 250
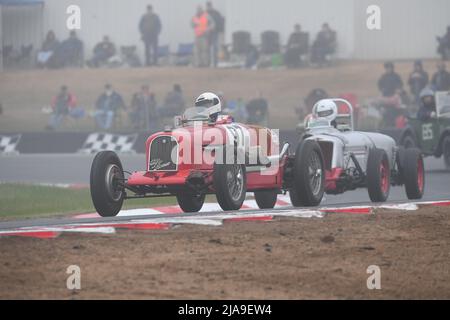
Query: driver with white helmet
pixel 210 101
pixel 326 109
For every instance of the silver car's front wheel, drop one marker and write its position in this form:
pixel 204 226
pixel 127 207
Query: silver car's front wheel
pixel 309 175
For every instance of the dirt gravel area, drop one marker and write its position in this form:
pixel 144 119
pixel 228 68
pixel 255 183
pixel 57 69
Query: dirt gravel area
pixel 283 259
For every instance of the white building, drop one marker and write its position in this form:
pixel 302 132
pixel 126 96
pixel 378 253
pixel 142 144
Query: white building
pixel 408 27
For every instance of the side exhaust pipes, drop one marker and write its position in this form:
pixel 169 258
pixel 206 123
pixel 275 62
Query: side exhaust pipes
pixel 270 160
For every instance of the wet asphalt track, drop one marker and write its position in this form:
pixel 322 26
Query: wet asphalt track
pixel 74 169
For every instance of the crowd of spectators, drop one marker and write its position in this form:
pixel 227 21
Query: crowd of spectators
pixel 67 53
pixel 144 113
pixel 396 103
pixel 208 48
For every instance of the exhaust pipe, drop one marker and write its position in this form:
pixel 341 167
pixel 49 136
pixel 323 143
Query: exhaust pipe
pixel 271 160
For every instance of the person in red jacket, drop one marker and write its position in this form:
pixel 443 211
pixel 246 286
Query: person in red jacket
pixel 63 104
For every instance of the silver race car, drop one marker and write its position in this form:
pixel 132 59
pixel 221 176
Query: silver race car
pixel 334 158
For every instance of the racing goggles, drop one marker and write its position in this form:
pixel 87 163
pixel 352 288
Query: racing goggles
pixel 325 113
pixel 207 103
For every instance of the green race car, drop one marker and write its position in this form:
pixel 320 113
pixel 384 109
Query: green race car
pixel 431 136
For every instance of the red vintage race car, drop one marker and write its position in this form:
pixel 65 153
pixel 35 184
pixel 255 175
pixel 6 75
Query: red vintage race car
pixel 208 153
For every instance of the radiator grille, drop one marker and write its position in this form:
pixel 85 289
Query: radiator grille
pixel 160 157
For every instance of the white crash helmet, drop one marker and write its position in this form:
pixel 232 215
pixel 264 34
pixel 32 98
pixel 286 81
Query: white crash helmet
pixel 325 109
pixel 210 101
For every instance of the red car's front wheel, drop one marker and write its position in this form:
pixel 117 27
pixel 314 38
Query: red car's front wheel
pixel 106 184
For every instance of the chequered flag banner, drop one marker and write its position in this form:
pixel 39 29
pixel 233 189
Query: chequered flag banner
pixel 97 142
pixel 8 144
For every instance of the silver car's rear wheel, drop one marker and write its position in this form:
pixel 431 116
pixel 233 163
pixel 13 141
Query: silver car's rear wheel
pixel 446 151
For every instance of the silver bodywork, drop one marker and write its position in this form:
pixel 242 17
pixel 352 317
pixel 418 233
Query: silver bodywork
pixel 351 142
pixel 338 144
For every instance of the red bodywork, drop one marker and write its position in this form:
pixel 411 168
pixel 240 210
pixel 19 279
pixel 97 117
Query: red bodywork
pixel 255 180
pixel 331 177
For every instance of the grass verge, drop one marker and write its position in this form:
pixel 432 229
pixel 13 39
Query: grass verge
pixel 27 201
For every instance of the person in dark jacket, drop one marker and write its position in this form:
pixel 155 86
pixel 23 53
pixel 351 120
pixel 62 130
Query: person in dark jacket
pixel 71 52
pixel 174 104
pixel 108 104
pixel 444 45
pixel 390 82
pixel 418 80
pixel 441 79
pixel 427 108
pixel 296 47
pixel 325 44
pixel 150 28
pixel 216 33
pixel 49 47
pixel 102 52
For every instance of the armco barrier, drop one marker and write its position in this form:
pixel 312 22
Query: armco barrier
pixel 72 142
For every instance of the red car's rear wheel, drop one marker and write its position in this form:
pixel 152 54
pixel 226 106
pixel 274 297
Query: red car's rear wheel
pixel 266 199
pixel 190 202
pixel 230 184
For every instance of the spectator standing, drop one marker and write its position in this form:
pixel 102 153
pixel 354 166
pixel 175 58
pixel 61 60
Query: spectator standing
pixel 49 46
pixel 108 104
pixel 202 25
pixel 216 34
pixel 174 104
pixel 63 104
pixel 103 51
pixel 325 44
pixel 143 109
pixel 418 80
pixel 444 45
pixel 150 27
pixel 390 82
pixel 441 79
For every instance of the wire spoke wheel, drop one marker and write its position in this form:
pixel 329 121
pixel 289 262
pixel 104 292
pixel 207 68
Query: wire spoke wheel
pixel 309 181
pixel 315 173
pixel 229 182
pixel 384 176
pixel 235 181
